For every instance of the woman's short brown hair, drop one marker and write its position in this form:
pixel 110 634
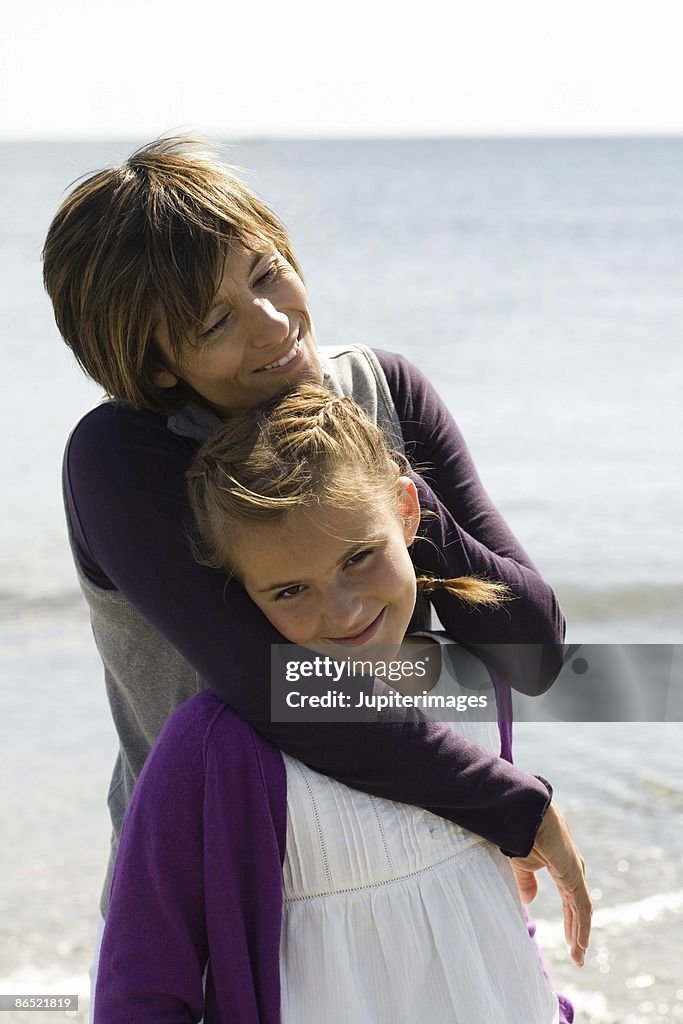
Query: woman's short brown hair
pixel 142 242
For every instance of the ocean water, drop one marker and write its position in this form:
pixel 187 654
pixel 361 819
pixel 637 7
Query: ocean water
pixel 539 284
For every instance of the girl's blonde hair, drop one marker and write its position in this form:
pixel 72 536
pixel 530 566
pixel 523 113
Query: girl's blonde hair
pixel 142 242
pixel 304 449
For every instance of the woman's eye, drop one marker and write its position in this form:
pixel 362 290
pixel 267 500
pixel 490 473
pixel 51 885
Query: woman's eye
pixel 215 328
pixel 290 592
pixel 268 274
pixel 360 557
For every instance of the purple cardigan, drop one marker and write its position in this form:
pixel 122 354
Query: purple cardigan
pixel 199 867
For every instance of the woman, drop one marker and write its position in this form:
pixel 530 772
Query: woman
pixel 178 292
pixel 385 914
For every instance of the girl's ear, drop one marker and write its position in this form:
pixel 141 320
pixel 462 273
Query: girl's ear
pixel 409 504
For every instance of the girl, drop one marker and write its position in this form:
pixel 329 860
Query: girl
pixel 387 912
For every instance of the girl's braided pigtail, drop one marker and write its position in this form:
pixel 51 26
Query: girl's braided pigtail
pixel 470 589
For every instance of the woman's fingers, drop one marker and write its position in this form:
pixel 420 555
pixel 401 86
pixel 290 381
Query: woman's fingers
pixel 571 933
pixel 569 922
pixel 555 849
pixel 584 914
pixel 578 907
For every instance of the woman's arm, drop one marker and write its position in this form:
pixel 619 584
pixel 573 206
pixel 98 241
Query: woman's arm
pixel 468 536
pixel 125 492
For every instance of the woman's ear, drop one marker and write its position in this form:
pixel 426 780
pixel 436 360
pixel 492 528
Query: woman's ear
pixel 163 378
pixel 162 357
pixel 409 504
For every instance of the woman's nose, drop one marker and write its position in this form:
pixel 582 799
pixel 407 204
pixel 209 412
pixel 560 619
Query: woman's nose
pixel 267 325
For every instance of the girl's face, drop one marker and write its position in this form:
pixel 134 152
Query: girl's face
pixel 329 577
pixel 260 319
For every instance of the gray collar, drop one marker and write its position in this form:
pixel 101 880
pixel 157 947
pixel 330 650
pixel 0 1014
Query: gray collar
pixel 199 422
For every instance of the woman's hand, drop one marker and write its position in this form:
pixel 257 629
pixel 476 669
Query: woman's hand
pixel 555 850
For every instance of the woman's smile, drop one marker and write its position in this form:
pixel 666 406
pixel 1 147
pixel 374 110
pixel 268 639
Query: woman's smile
pixel 295 352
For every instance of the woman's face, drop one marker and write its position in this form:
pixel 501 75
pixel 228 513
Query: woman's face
pixel 332 577
pixel 257 341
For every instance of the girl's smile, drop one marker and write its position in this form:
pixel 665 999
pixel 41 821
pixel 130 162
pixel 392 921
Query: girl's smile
pixel 364 635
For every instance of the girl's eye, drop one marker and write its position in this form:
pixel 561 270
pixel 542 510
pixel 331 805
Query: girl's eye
pixel 360 556
pixel 290 592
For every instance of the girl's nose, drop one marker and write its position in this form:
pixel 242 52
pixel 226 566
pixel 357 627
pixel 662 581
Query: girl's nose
pixel 342 610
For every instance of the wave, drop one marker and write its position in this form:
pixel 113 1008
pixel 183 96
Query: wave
pixel 14 603
pixel 49 980
pixel 618 918
pixel 614 919
pixel 618 602
pixel 613 602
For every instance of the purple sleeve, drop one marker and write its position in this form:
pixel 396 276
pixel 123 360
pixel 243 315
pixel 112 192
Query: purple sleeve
pixel 125 493
pixel 154 946
pixel 523 639
pixel 198 870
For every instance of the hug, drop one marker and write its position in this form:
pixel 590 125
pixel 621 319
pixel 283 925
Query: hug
pixel 281 871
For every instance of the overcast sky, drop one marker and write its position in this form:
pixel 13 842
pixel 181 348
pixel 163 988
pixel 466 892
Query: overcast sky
pixel 128 68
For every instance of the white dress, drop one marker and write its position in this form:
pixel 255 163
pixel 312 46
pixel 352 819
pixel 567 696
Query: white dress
pixel 395 916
